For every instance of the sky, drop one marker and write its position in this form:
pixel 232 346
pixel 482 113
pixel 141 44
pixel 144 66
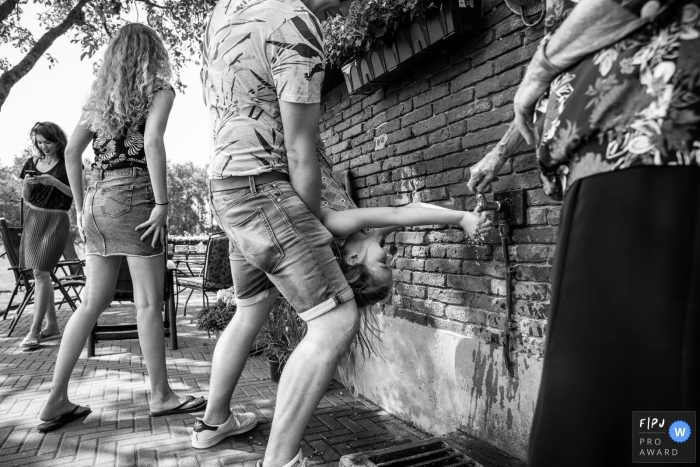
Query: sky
pixel 57 95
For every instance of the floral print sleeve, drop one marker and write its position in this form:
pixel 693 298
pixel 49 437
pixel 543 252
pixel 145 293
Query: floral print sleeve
pixel 636 102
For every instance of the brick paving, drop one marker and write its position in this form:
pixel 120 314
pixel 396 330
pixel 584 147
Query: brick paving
pixel 119 431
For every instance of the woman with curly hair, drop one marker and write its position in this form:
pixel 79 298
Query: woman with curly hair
pixel 123 212
pixel 48 198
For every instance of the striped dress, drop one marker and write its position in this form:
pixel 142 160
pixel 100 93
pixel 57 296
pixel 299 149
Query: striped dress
pixel 46 226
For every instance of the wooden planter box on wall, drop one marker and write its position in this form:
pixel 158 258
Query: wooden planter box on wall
pixel 405 52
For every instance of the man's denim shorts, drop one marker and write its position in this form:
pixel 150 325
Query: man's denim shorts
pixel 116 202
pixel 277 244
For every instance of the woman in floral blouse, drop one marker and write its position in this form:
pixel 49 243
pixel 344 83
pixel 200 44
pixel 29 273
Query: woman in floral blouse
pixel 612 102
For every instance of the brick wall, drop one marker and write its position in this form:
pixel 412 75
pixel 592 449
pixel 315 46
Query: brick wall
pixel 439 122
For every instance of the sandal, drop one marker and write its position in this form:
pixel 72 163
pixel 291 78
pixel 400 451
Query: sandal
pixel 61 420
pixel 31 344
pixel 191 404
pixel 48 337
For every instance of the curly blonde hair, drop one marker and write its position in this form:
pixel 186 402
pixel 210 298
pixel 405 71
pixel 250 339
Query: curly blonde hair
pixel 135 64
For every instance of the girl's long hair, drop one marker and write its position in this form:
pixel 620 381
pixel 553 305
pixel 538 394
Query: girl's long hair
pixel 368 290
pixel 134 65
pixel 52 133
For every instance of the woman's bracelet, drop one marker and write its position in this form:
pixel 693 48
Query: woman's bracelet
pixel 163 204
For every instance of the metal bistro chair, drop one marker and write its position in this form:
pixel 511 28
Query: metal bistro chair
pixel 24 277
pixel 124 292
pixel 215 275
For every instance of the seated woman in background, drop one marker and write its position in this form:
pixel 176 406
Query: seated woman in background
pixel 48 197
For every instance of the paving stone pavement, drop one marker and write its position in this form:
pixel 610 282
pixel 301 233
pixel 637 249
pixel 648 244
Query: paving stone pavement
pixel 119 431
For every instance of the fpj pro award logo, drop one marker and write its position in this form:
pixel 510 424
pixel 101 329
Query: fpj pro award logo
pixel 663 437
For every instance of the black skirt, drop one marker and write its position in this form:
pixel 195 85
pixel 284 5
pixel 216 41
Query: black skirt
pixel 623 327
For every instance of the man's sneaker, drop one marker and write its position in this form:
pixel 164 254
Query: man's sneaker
pixel 205 435
pixel 298 461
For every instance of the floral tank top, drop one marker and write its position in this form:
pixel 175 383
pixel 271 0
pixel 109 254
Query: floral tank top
pixel 634 103
pixel 126 150
pixel 333 195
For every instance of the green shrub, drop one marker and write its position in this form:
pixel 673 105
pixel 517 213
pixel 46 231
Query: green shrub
pixel 216 317
pixel 282 332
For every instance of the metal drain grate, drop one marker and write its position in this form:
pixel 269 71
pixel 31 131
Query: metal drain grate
pixel 435 452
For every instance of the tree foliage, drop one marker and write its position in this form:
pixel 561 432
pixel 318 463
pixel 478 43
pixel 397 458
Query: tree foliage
pixel 188 211
pixel 11 188
pixel 91 23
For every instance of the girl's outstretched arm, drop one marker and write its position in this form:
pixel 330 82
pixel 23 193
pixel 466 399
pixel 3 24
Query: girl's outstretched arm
pixel 344 223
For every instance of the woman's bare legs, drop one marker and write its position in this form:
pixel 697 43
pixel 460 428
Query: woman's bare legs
pixel 43 305
pixel 101 278
pixel 147 275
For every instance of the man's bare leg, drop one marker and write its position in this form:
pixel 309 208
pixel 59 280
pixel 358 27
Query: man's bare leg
pixel 230 356
pixel 306 377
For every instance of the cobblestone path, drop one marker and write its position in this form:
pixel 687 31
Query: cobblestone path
pixel 119 431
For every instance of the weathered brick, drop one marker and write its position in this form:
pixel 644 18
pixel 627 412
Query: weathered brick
pixel 411 145
pixel 450 266
pixel 516 57
pixel 498 47
pixel 500 82
pixel 412 264
pixel 352 131
pixel 435 93
pixel 453 100
pixel 466 111
pixel 468 283
pixel 537 216
pixel 410 290
pixel 444 178
pixel 428 307
pixel 436 194
pixel 504 97
pixel 453 131
pixel 473 77
pixel 493 117
pixel 368 169
pixel 413 90
pixel 424 278
pixel 531 309
pixel 445 325
pixel 532 273
pixel 446 236
pixel 535 235
pixel 416 116
pixel 447 295
pixel 456 68
pixel 413 238
pixel 516 181
pixel 431 124
pixel 483 137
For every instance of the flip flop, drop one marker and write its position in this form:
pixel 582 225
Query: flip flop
pixel 49 337
pixel 30 344
pixel 191 404
pixel 61 420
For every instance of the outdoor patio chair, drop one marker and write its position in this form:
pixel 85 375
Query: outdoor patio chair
pixel 124 292
pixel 215 275
pixel 24 278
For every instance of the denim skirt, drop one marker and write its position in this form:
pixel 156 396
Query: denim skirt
pixel 116 202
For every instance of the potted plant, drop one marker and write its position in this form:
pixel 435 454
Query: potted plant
pixel 215 318
pixel 280 335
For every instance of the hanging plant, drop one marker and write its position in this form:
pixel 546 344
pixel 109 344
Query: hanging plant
pixel 368 23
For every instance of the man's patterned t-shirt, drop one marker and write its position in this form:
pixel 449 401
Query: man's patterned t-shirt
pixel 256 53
